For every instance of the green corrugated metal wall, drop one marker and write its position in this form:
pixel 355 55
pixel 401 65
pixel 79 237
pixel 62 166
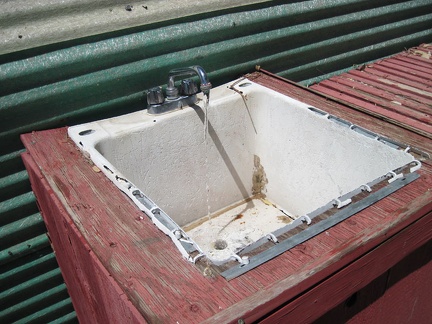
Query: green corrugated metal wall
pixel 98 77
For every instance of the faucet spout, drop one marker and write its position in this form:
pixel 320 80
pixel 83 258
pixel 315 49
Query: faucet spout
pixel 172 92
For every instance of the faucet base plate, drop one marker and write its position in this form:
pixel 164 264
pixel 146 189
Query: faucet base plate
pixel 172 105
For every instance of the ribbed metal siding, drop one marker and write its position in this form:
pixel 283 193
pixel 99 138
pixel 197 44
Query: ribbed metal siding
pixel 304 41
pixel 396 89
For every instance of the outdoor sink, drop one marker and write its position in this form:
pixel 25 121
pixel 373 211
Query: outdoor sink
pixel 247 168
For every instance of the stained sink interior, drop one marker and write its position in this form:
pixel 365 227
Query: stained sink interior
pixel 262 161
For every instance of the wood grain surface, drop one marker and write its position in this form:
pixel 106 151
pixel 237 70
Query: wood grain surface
pixel 118 265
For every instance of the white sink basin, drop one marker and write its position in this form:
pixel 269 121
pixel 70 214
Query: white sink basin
pixel 266 162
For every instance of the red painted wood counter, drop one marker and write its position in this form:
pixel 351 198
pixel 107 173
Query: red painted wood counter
pixel 119 268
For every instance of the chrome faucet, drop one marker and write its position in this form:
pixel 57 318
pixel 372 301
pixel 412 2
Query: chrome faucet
pixel 172 91
pixel 158 104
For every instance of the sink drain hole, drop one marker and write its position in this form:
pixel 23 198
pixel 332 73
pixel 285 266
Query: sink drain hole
pixel 220 244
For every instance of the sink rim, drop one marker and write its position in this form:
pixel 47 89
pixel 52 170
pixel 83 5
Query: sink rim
pixel 163 221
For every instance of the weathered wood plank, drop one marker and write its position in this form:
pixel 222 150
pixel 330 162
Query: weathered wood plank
pixel 89 213
pixel 355 276
pixel 400 295
pixel 96 296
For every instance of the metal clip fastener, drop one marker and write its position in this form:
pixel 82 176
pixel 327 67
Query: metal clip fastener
pixel 365 187
pixel 242 260
pixel 416 166
pixel 339 204
pixel 306 219
pixel 393 176
pixel 272 237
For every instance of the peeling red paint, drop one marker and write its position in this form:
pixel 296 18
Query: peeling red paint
pixel 398 88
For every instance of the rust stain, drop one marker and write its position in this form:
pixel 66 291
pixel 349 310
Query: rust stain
pixel 238 216
pixel 259 179
pixel 284 219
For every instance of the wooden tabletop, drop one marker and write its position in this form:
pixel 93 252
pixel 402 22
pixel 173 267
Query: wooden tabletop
pixel 148 272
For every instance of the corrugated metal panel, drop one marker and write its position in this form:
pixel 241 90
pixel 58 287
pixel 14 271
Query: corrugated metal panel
pixel 97 77
pixel 397 89
pixel 33 290
pixel 25 24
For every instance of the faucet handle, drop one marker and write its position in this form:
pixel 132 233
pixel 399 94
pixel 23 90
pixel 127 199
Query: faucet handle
pixel 155 96
pixel 188 87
